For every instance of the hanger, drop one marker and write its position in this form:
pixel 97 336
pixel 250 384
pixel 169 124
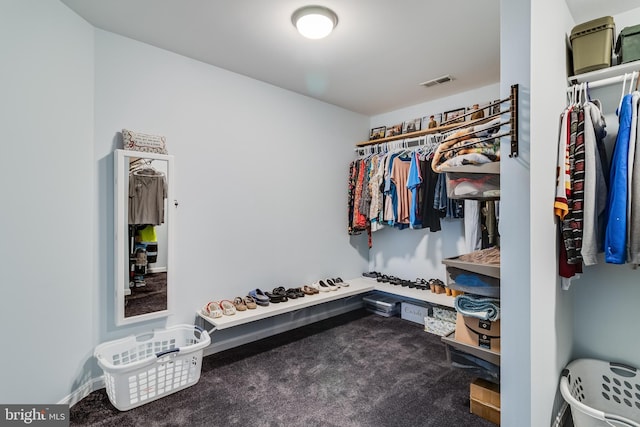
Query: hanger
pixel 634 75
pixel 624 83
pixel 587 96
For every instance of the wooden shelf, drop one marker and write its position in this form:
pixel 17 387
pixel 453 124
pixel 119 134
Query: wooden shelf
pixel 423 132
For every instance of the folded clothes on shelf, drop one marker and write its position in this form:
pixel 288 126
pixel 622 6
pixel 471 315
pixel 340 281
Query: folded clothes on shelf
pixel 479 307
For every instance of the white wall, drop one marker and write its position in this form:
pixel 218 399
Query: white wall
pixel 515 280
pixel 551 308
pixel 46 170
pixel 418 253
pixel 261 176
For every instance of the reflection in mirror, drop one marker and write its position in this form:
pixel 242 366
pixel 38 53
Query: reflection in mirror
pixel 143 235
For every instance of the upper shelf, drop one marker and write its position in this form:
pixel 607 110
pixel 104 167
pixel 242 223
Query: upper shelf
pixel 605 73
pixel 416 134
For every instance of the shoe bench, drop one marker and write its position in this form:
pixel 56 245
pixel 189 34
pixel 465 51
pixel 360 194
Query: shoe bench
pixel 356 286
pixel 273 309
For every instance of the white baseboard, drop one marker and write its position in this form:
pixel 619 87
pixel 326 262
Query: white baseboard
pixel 83 391
pixel 98 383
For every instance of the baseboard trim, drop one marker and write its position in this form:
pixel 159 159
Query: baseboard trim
pixel 83 391
pixel 98 383
pixel 218 346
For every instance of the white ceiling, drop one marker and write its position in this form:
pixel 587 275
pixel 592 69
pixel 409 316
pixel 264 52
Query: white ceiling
pixel 372 63
pixel 586 10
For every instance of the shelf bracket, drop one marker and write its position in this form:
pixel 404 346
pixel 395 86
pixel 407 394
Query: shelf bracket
pixel 514 120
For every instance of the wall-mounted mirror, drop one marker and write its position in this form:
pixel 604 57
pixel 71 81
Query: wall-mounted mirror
pixel 143 235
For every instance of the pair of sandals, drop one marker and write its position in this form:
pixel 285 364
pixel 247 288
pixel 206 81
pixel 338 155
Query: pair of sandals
pixel 278 294
pixel 216 309
pixel 329 284
pixel 242 304
pixel 308 290
pixel 212 309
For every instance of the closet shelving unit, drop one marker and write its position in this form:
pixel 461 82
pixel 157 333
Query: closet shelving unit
pixel 488 168
pixel 488 270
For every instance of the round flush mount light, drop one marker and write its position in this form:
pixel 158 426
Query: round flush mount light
pixel 314 22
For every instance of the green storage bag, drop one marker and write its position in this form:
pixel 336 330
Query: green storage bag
pixel 628 44
pixel 592 44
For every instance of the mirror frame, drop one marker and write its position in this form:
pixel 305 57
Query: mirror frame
pixel 121 234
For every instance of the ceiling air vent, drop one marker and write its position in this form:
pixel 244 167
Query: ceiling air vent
pixel 438 81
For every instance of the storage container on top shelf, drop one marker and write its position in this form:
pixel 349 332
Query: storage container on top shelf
pixel 473 182
pixel 628 44
pixel 592 44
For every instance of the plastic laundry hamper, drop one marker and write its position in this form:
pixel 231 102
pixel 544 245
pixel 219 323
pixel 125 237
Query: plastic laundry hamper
pixel 143 368
pixel 602 393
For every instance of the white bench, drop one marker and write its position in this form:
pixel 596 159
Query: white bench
pixel 356 286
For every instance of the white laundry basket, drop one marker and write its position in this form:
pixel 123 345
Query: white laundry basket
pixel 602 393
pixel 143 368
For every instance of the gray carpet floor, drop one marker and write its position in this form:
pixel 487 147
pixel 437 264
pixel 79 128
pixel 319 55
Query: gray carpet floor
pixel 357 369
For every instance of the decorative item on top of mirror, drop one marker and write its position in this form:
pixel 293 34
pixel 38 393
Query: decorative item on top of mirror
pixel 143 235
pixel 138 141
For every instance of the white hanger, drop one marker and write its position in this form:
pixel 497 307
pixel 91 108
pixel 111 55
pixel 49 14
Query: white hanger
pixel 624 83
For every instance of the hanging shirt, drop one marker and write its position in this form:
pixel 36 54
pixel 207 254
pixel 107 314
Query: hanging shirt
pixel 147 191
pixel 571 220
pixel 375 208
pixel 634 219
pixel 430 215
pixel 399 177
pixel 635 97
pixel 391 197
pixel 595 188
pixel 615 239
pixel 413 184
pixel 574 223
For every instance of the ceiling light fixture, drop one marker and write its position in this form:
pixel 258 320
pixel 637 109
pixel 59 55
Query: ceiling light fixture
pixel 314 22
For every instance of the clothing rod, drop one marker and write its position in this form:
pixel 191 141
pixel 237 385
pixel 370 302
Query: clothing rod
pixel 474 142
pixel 420 140
pixel 602 82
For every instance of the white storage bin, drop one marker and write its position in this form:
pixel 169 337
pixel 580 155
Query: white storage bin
pixel 141 369
pixel 601 393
